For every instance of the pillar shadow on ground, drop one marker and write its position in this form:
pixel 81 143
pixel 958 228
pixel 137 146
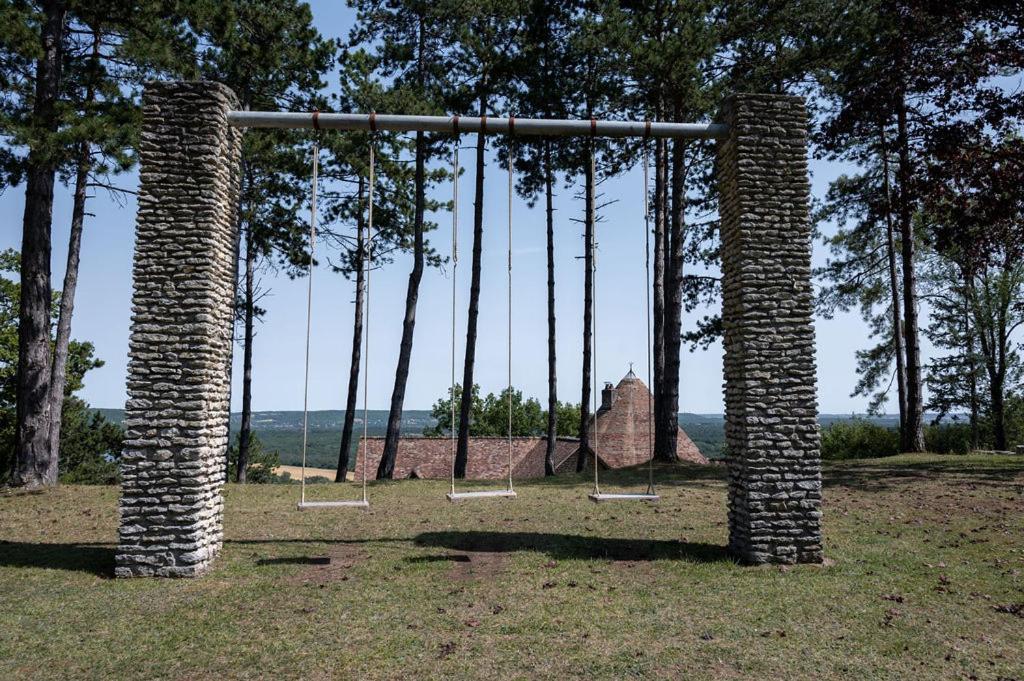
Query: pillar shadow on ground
pixel 96 559
pixel 573 546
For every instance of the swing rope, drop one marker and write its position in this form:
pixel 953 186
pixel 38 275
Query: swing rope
pixel 510 184
pixel 651 494
pixel 647 287
pixel 368 261
pixel 367 264
pixel 455 270
pixel 593 301
pixel 309 312
pixel 509 491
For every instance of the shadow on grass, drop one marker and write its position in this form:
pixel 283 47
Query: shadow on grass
pixel 878 476
pixel 96 559
pixel 295 560
pixel 442 558
pixel 573 546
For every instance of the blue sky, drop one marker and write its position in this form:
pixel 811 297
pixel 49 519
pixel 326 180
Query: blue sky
pixel 104 294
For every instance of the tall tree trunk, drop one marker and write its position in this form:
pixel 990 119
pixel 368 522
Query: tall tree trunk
pixel 674 300
pixel 466 400
pixel 34 466
pixel 549 452
pixel 899 347
pixel 357 343
pixel 386 469
pixel 914 441
pixel 972 379
pixel 588 312
pixel 58 371
pixel 62 342
pixel 992 326
pixel 249 313
pixel 660 242
pixel 997 394
pixel 1003 340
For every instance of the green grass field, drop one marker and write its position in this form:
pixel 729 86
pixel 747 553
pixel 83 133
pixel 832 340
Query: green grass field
pixel 925 583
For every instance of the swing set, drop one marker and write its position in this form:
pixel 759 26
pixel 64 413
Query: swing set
pixel 457 125
pixel 184 277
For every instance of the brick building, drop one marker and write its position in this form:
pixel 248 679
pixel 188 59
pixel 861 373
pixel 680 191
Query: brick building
pixel 623 426
pixel 620 440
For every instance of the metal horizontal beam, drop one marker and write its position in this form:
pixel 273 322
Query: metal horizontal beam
pixel 472 124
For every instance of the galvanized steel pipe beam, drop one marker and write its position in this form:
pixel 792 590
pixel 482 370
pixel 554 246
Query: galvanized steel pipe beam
pixel 472 124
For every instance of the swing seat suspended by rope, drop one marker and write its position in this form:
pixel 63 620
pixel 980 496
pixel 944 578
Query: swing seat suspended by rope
pixel 359 503
pixel 600 497
pixel 462 496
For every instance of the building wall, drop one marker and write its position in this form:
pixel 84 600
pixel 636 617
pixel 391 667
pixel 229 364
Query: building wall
pixel 431 457
pixel 621 440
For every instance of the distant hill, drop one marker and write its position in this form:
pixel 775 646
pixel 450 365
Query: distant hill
pixel 282 430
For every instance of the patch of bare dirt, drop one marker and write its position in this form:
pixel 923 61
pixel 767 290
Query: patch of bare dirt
pixel 334 566
pixel 476 565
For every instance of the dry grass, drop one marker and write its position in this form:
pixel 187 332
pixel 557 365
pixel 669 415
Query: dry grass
pixel 547 586
pixel 296 472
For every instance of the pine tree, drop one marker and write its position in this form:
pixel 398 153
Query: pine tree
pixel 106 51
pixel 671 48
pixel 111 50
pixel 902 74
pixel 80 360
pixel 271 56
pixel 482 57
pixel 35 465
pixel 595 89
pixel 975 216
pixel 345 200
pixel 409 38
pixel 542 67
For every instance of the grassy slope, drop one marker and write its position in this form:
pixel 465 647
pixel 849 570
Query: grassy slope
pixel 547 586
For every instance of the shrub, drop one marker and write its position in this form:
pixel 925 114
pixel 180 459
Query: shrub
pixel 90 445
pixel 948 438
pixel 858 439
pixel 93 472
pixel 1015 420
pixel 262 463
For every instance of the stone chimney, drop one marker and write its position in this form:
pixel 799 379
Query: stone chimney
pixel 607 396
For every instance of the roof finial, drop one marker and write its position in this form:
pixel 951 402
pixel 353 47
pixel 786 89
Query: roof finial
pixel 631 374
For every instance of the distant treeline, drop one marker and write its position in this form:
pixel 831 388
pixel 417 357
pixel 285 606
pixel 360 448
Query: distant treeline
pixel 281 432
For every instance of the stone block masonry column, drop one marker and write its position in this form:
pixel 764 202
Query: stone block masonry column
pixel 771 413
pixel 179 369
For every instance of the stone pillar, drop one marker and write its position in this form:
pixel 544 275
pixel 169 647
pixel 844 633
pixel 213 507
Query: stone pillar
pixel 771 414
pixel 179 370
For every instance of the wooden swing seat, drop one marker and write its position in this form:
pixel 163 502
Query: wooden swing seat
pixel 600 497
pixel 460 496
pixel 360 503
